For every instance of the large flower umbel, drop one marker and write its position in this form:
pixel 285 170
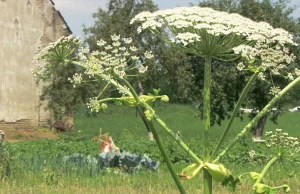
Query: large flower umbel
pixel 221 35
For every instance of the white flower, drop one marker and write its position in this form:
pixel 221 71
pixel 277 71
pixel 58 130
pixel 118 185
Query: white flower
pixel 278 130
pixel 84 50
pixel 297 72
pixel 116 43
pixel 115 37
pixel 128 40
pixel 101 42
pixel 135 58
pixel 251 153
pixel 149 55
pixel 275 90
pixel 261 76
pixel 186 38
pixel 133 48
pixel 240 66
pixel 290 76
pixel 142 69
pixel 109 47
pixel 122 48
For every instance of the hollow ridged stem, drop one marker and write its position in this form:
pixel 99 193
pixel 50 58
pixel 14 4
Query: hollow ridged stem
pixel 207 179
pixel 257 117
pixel 234 113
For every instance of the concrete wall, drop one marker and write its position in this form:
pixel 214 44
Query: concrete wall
pixel 25 27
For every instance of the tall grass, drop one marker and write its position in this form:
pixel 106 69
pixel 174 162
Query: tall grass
pixel 142 182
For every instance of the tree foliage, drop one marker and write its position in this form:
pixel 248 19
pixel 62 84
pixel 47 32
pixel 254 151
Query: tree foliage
pixel 61 96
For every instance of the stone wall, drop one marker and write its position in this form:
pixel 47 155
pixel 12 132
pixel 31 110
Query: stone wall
pixel 25 27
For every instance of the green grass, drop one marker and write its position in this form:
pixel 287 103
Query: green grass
pixel 120 121
pixel 42 175
pixel 142 182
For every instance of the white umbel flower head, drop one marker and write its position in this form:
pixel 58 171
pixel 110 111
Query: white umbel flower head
pixel 221 35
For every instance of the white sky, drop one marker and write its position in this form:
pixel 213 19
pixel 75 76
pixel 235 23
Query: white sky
pixel 79 12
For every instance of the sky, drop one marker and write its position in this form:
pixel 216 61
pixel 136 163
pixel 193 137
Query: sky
pixel 79 12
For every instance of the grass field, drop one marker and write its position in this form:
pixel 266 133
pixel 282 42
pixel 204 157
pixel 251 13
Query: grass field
pixel 122 120
pixel 123 124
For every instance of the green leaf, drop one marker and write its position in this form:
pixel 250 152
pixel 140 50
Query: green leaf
pixel 190 171
pixel 218 172
pixel 254 175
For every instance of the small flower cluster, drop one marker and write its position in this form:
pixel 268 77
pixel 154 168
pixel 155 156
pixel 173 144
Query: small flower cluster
pixel 282 142
pixel 274 90
pixel 112 60
pixel 55 52
pixel 252 153
pixel 77 79
pixel 96 105
pixel 262 47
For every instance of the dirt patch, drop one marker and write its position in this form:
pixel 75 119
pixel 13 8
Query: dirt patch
pixel 12 135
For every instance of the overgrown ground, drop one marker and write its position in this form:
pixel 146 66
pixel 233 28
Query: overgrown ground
pixel 13 135
pixel 36 165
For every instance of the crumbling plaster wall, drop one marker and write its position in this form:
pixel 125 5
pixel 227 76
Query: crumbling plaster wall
pixel 25 27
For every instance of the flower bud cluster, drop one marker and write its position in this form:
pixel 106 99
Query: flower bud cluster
pixel 282 142
pixel 95 105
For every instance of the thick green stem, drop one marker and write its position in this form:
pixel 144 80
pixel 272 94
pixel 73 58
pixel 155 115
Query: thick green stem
pixel 166 158
pixel 257 117
pixel 266 168
pixel 158 142
pixel 207 179
pixel 234 113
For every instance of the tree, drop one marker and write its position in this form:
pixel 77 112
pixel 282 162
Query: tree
pixel 278 14
pixel 170 72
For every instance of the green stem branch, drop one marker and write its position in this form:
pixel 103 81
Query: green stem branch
pixel 257 117
pixel 234 113
pixel 166 158
pixel 266 168
pixel 172 134
pixel 158 142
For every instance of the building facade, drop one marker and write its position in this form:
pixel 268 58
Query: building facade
pixel 25 27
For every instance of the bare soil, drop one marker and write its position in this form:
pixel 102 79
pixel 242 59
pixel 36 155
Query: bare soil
pixel 12 135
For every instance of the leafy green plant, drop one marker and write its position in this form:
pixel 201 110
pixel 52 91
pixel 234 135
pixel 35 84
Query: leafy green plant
pixel 5 162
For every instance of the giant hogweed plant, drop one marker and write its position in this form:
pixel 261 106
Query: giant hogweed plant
pixel 207 33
